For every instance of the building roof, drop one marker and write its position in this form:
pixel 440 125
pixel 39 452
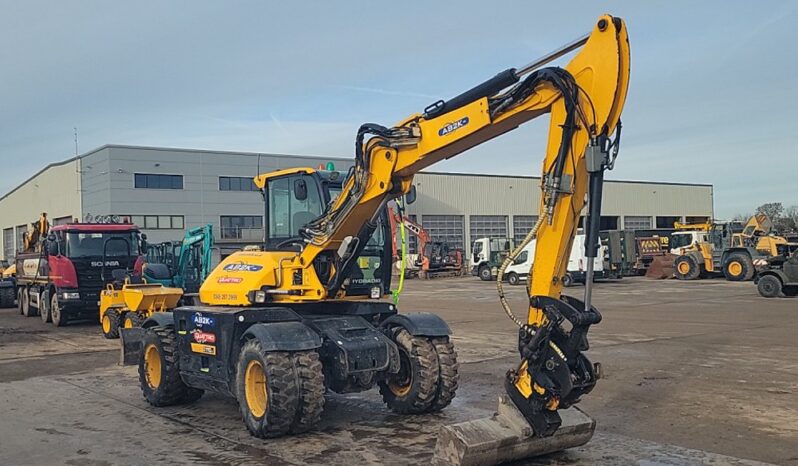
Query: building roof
pixel 261 154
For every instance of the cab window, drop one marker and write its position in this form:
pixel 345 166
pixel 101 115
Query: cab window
pixel 288 212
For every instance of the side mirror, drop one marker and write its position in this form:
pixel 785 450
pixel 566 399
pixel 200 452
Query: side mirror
pixel 411 195
pixel 300 190
pixel 51 237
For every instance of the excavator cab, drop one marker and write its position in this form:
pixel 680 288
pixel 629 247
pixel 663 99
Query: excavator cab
pixel 295 197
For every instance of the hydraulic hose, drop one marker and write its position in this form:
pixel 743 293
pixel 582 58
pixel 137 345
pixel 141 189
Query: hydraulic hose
pixel 395 293
pixel 509 260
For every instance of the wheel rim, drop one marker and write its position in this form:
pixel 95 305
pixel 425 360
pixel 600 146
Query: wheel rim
pixel 152 366
pixel 128 322
pixel 255 388
pixel 55 310
pixel 684 268
pixel 106 324
pixel 735 268
pixel 768 287
pixel 401 383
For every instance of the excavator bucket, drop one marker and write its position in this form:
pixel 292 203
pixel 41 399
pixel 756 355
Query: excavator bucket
pixel 507 436
pixel 661 267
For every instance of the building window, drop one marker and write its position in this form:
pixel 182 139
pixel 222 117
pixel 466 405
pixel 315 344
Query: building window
pixel 21 231
pixel 157 222
pixel 8 244
pixel 62 220
pixel 522 224
pixel 445 228
pixel 488 226
pixel 633 222
pixel 245 227
pixel 237 183
pixel 153 181
pixel 699 219
pixel 667 222
pixel 608 222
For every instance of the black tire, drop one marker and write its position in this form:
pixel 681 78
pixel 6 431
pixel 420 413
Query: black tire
pixel 769 286
pixel 109 324
pixel 512 278
pixel 449 370
pixel 567 280
pixel 163 386
pixel 44 306
pixel 485 273
pixel 414 388
pixel 294 390
pixel 20 299
pixel 685 268
pixel 738 267
pixel 7 296
pixel 57 314
pixel 27 309
pixel 132 320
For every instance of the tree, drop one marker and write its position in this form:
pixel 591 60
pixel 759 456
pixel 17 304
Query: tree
pixel 772 209
pixel 789 220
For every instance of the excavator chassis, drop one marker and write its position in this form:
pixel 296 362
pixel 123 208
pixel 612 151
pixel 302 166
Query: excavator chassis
pixel 507 436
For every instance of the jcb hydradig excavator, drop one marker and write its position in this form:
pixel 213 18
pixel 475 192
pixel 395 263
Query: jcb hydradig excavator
pixel 277 327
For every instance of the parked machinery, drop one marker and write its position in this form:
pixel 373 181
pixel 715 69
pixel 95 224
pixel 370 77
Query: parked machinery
pixel 8 287
pixel 738 255
pixel 487 254
pixel 434 258
pixel 60 274
pixel 182 264
pixel 780 278
pixel 128 301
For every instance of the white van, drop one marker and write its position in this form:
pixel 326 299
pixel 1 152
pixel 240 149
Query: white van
pixel 577 264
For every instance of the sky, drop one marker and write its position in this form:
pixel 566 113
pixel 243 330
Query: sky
pixel 711 100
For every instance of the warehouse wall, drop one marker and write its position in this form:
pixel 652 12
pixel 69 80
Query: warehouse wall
pixel 53 190
pixel 488 196
pixel 200 201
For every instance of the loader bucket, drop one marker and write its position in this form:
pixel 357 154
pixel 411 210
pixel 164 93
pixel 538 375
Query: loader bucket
pixel 507 436
pixel 144 297
pixel 661 267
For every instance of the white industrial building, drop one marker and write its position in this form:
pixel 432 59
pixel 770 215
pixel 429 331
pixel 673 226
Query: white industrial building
pixel 167 190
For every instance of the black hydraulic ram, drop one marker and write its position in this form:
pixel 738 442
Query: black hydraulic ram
pixel 596 159
pixel 501 81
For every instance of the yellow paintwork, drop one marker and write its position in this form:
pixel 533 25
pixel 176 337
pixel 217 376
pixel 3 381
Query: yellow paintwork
pixel 208 350
pixel 145 299
pixel 601 68
pixel 255 391
pixel 706 226
pixel 152 366
pixel 260 180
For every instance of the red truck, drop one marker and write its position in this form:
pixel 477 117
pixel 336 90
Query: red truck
pixel 62 280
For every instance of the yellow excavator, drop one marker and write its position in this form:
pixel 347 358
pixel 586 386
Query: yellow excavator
pixel 279 326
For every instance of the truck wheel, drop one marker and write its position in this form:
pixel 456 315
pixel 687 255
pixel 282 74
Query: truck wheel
pixel 685 268
pixel 27 309
pixel 278 392
pixel 485 274
pixel 110 324
pixel 449 378
pixel 57 314
pixel 414 388
pixel 568 280
pixel 159 373
pixel 20 300
pixel 44 307
pixel 769 286
pixel 513 279
pixel 738 267
pixel 133 320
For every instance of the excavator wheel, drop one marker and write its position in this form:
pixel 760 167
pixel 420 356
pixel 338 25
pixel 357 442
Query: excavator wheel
pixel 449 378
pixel 414 388
pixel 110 324
pixel 159 373
pixel 738 267
pixel 279 392
pixel 685 268
pixel 133 320
pixel 769 286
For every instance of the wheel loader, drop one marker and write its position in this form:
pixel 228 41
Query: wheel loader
pixel 128 301
pixel 279 327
